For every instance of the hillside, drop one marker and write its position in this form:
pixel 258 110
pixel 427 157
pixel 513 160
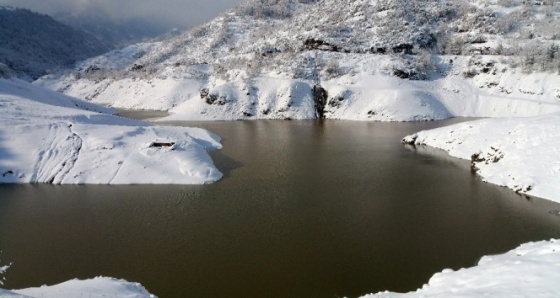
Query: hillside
pixel 33 44
pixel 47 137
pixel 398 60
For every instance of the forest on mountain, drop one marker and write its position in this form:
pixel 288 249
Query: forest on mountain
pixel 33 44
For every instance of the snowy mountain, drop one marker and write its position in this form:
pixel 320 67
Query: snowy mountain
pixel 33 44
pixel 530 270
pixel 398 60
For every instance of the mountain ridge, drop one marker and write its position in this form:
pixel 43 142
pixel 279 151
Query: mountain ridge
pixel 443 52
pixel 34 44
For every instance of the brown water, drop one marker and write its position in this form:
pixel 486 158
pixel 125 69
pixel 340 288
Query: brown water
pixel 306 209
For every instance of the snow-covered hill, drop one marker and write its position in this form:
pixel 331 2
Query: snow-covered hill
pixel 398 60
pixel 32 44
pixel 47 137
pixel 530 270
pixel 519 153
pixel 95 287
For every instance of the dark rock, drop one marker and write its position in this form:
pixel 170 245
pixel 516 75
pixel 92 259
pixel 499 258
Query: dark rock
pixel 92 69
pixel 161 144
pixel 204 92
pixel 137 67
pixel 320 97
pixel 317 44
pixel 477 158
pixel 403 74
pixel 336 101
pixel 211 98
pixel 403 48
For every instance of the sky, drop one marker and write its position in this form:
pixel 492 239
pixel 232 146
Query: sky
pixel 179 13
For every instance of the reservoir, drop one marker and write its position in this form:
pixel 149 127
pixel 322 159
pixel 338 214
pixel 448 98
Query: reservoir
pixel 305 209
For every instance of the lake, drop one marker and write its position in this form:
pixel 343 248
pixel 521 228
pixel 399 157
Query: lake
pixel 305 209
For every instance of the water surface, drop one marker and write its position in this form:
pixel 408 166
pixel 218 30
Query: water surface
pixel 306 209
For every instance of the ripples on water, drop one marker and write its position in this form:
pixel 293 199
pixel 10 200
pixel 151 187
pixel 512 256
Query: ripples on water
pixel 306 208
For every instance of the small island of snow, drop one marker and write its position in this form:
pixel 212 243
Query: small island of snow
pixel 47 137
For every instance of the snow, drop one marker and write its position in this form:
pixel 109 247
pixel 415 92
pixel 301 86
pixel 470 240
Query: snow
pixel 263 69
pixel 366 91
pixel 531 270
pixel 96 287
pixel 261 98
pixel 519 153
pixel 119 58
pixel 46 137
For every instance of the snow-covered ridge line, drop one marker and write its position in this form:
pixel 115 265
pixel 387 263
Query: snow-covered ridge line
pixel 35 44
pixel 530 270
pixel 47 137
pixel 518 153
pixel 339 59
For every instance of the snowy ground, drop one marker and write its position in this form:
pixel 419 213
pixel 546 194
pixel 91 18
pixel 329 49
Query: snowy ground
pixel 531 270
pixel 367 90
pixel 96 287
pixel 46 137
pixel 519 153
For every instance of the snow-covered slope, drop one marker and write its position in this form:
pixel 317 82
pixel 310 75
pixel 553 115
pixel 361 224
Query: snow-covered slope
pixel 96 287
pixel 47 137
pixel 519 153
pixel 33 44
pixel 397 60
pixel 531 270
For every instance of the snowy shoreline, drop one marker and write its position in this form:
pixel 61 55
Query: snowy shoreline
pixel 95 287
pixel 47 137
pixel 530 270
pixel 33 116
pixel 352 60
pixel 518 153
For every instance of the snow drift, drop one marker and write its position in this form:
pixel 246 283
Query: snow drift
pixel 531 270
pixel 96 287
pixel 46 137
pixel 519 153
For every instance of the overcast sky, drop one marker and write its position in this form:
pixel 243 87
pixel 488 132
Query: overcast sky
pixel 183 13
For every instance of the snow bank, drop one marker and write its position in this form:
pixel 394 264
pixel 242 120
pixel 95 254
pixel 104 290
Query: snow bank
pixel 96 287
pixel 367 89
pixel 531 270
pixel 45 138
pixel 519 153
pixel 261 98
